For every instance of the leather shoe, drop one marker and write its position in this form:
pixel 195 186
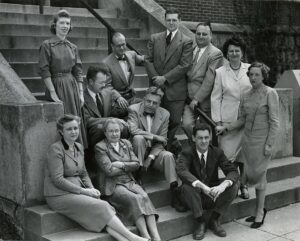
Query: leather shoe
pixel 216 228
pixel 199 232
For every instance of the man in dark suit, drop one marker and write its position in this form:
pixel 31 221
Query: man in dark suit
pixel 121 65
pixel 148 124
pixel 100 102
pixel 201 76
pixel 170 55
pixel 202 189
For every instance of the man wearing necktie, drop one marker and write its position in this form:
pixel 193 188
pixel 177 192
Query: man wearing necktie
pixel 98 106
pixel 121 64
pixel 170 55
pixel 197 166
pixel 148 124
pixel 201 76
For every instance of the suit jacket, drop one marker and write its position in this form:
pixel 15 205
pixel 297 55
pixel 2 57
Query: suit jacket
pixel 172 62
pixel 227 93
pixel 201 76
pixel 138 124
pixel 92 117
pixel 65 173
pixel 106 155
pixel 116 74
pixel 188 166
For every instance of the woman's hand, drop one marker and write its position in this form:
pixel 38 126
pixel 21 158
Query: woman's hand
pixel 91 192
pixel 118 164
pixel 268 150
pixel 220 130
pixel 54 96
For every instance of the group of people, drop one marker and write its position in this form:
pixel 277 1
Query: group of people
pixel 119 136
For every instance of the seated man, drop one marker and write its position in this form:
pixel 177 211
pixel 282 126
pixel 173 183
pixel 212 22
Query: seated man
pixel 197 167
pixel 121 64
pixel 100 102
pixel 148 124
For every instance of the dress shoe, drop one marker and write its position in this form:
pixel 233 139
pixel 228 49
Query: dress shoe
pixel 244 192
pixel 259 224
pixel 250 219
pixel 216 228
pixel 199 232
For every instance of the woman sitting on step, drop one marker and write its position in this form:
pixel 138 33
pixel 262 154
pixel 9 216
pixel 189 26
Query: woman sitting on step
pixel 117 161
pixel 68 189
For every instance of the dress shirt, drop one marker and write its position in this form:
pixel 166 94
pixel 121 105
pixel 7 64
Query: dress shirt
pixel 173 33
pixel 200 53
pixel 116 146
pixel 125 68
pixel 149 119
pixel 93 95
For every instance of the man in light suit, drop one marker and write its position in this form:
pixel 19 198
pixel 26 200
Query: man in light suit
pixel 148 124
pixel 99 103
pixel 121 64
pixel 170 55
pixel 201 75
pixel 197 166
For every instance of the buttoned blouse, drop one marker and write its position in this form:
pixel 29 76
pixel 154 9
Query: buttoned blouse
pixel 58 56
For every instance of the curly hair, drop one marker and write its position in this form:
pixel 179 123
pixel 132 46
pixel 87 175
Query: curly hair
pixel 60 14
pixel 65 119
pixel 264 71
pixel 236 41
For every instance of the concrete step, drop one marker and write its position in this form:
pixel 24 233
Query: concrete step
pixel 34 9
pixel 171 223
pixel 30 69
pixel 44 20
pixel 34 42
pixel 81 32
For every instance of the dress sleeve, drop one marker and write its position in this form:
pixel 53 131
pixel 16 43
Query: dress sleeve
pixel 44 60
pixel 77 68
pixel 216 98
pixel 273 104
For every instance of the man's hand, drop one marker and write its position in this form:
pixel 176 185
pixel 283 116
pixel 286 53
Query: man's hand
pixel 122 102
pixel 161 139
pixel 217 190
pixel 147 163
pixel 159 80
pixel 204 188
pixel 193 104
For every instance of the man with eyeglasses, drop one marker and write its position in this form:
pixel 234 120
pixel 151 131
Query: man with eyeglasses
pixel 201 75
pixel 100 102
pixel 121 69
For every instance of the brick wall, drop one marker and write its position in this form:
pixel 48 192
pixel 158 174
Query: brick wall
pixel 235 11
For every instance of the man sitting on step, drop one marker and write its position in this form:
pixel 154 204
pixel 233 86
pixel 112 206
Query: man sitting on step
pixel 197 166
pixel 121 65
pixel 148 124
pixel 100 102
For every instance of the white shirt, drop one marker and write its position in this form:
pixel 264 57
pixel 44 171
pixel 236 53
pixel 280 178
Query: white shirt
pixel 200 53
pixel 116 146
pixel 125 68
pixel 173 33
pixel 93 95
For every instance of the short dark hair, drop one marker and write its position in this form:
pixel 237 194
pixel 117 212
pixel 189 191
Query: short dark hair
pixel 206 23
pixel 115 35
pixel 60 14
pixel 236 41
pixel 264 71
pixel 65 119
pixel 173 10
pixel 94 70
pixel 154 90
pixel 201 127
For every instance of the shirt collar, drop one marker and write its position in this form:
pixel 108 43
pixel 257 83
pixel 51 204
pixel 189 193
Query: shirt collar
pixel 201 49
pixel 92 94
pixel 173 33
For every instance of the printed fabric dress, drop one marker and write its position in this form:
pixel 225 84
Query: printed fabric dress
pixel 59 60
pixel 259 113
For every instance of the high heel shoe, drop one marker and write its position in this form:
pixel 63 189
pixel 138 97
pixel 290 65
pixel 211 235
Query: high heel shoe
pixel 258 224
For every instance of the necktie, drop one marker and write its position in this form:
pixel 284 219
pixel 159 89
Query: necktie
pixel 203 168
pixel 146 113
pixel 196 56
pixel 100 104
pixel 169 38
pixel 122 58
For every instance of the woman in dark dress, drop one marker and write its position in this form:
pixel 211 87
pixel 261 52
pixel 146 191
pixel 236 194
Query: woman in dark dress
pixel 117 161
pixel 61 69
pixel 68 189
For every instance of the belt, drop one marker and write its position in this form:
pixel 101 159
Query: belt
pixel 61 74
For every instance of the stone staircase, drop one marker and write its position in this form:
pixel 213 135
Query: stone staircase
pixel 23 29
